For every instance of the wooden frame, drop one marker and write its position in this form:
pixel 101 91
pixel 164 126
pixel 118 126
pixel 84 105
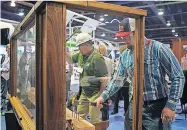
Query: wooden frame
pixel 50 20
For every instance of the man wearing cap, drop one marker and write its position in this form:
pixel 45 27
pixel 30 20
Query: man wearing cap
pixel 93 75
pixel 159 101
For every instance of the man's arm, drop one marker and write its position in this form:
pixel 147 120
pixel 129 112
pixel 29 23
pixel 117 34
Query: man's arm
pixel 116 82
pixel 114 85
pixel 174 71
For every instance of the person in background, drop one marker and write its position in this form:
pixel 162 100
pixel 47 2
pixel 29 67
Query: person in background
pixel 158 110
pixel 109 62
pixel 123 91
pixel 5 67
pixel 93 75
pixel 110 67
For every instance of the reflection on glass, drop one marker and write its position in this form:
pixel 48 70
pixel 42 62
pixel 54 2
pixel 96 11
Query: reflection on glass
pixel 26 66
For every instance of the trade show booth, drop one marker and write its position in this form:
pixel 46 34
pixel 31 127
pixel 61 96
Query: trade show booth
pixel 38 75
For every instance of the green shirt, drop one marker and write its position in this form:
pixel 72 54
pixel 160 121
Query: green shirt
pixel 94 68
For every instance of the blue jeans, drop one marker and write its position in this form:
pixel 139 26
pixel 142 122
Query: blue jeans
pixel 151 117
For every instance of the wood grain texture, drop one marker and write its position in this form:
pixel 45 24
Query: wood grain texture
pixel 106 7
pixel 116 9
pixel 54 81
pixel 13 67
pixel 138 74
pixel 40 36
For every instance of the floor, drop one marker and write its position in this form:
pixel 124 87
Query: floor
pixel 117 120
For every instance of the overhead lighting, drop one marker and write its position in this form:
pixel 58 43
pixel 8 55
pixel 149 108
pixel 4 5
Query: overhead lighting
pixel 173 30
pixel 12 4
pixel 101 19
pixel 168 23
pixel 176 35
pixel 21 13
pixel 115 38
pixel 115 20
pixel 106 22
pixel 103 35
pixel 160 12
pixel 105 14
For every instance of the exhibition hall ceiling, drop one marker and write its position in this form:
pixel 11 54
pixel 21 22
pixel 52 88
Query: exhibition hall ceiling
pixel 165 20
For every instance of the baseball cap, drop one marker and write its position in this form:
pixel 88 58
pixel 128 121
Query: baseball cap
pixel 83 38
pixel 126 26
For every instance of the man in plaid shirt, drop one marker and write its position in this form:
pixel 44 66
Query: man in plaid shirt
pixel 159 100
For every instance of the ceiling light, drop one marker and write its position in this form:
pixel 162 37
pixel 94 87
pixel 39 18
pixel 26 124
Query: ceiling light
pixel 105 14
pixel 107 22
pixel 168 23
pixel 173 30
pixel 160 12
pixel 101 19
pixel 115 38
pixel 176 35
pixel 21 13
pixel 12 4
pixel 103 35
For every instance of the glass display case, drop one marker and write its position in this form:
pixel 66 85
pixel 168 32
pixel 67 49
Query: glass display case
pixel 26 69
pixel 39 76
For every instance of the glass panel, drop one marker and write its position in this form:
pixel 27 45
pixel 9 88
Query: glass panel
pixel 26 66
pixel 95 58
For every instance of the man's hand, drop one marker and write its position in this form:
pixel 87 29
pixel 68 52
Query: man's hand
pixel 167 115
pixel 110 103
pixel 99 102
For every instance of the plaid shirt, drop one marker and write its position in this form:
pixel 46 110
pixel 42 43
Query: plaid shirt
pixel 159 61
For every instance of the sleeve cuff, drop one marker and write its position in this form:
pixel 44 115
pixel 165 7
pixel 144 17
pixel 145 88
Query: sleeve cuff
pixel 105 95
pixel 171 105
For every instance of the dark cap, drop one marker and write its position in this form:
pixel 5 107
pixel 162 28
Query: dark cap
pixel 126 26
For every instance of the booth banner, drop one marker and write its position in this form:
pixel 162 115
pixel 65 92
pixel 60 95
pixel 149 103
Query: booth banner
pixel 90 25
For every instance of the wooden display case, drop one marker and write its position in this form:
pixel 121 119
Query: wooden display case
pixel 43 32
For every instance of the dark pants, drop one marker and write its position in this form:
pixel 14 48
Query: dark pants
pixel 4 90
pixel 104 111
pixel 124 92
pixel 151 117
